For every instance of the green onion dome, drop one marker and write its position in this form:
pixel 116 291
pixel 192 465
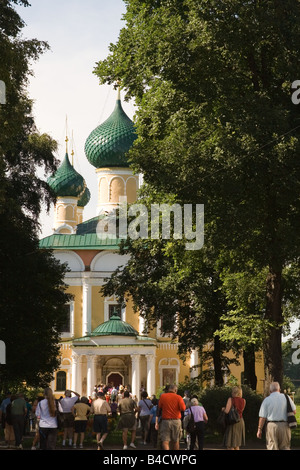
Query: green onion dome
pixel 85 198
pixel 108 144
pixel 66 182
pixel 115 327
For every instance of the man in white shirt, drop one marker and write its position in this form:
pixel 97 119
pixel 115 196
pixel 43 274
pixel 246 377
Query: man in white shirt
pixel 273 410
pixel 65 406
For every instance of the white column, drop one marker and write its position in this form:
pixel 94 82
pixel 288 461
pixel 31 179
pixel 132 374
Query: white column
pixel 150 374
pixel 90 374
pixel 76 373
pixel 86 306
pixel 72 317
pixel 135 380
pixel 194 361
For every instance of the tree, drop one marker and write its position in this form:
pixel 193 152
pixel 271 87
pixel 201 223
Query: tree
pixel 216 125
pixel 178 287
pixel 32 290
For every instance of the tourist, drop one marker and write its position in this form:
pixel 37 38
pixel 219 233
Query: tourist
pixel 153 432
pixel 273 413
pixel 65 406
pixel 114 408
pixel 3 406
pixel 80 411
pixel 171 406
pixel 200 418
pixel 46 413
pixel 234 436
pixel 36 439
pixel 18 414
pixel 6 401
pixel 144 407
pixel 127 422
pixel 9 434
pixel 100 409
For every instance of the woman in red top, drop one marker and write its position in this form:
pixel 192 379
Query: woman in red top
pixel 235 433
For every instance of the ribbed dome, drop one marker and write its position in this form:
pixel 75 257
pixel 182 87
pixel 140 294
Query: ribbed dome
pixel 66 182
pixel 108 144
pixel 85 198
pixel 114 327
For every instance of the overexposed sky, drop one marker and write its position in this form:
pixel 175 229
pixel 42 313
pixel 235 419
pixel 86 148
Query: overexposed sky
pixel 67 95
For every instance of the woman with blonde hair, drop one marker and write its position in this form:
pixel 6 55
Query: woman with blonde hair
pixel 235 432
pixel 46 412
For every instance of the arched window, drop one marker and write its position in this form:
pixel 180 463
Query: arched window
pixel 61 380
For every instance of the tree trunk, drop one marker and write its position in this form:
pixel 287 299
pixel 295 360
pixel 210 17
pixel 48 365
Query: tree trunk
pixel 217 362
pixel 272 348
pixel 250 378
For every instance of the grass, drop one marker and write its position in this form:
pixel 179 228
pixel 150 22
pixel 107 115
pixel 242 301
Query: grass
pixel 296 431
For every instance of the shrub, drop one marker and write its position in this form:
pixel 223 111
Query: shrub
pixel 214 399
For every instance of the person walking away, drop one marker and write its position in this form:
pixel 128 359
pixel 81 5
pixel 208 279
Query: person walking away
pixel 273 413
pixel 127 408
pixel 4 403
pixel 46 413
pixel 114 409
pixel 171 406
pixel 144 407
pixel 18 414
pixel 153 432
pixel 80 411
pixel 36 439
pixel 234 436
pixel 9 429
pixel 100 409
pixel 200 418
pixel 65 406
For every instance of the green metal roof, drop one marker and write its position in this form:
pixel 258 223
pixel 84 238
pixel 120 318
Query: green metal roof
pixel 114 327
pixel 108 144
pixel 89 241
pixel 86 238
pixel 66 181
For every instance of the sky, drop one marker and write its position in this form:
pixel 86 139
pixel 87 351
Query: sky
pixel 68 99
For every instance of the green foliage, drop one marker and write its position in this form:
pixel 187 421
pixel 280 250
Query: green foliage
pixel 214 399
pixel 216 125
pixel 32 289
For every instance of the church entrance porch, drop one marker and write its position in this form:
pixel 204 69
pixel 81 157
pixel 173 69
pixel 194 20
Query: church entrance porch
pixel 99 366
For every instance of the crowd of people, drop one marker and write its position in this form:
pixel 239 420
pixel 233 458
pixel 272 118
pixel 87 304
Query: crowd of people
pixel 162 421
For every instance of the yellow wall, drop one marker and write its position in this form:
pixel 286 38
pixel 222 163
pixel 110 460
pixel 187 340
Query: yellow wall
pixel 163 352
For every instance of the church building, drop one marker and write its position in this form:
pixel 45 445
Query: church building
pixel 104 341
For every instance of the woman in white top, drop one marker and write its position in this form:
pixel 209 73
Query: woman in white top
pixel 46 412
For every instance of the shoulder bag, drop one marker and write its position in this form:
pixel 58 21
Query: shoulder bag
pixel 291 418
pixel 191 425
pixel 233 416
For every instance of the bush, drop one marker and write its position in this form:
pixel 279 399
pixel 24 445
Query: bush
pixel 214 399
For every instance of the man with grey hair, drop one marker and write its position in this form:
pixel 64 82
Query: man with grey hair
pixel 273 411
